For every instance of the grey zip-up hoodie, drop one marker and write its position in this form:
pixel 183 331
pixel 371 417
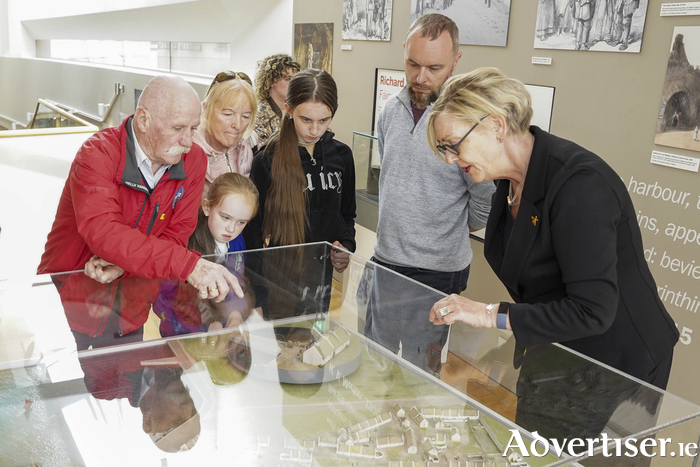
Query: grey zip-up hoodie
pixel 426 206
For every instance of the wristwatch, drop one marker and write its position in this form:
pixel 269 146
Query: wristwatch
pixel 502 318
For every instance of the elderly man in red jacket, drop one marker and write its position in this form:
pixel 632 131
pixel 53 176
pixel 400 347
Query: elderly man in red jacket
pixel 125 215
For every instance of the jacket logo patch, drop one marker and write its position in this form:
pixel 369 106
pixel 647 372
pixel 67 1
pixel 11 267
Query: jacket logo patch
pixel 162 217
pixel 180 193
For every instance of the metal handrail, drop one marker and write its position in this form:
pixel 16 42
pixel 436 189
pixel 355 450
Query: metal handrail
pixel 118 89
pixel 52 106
pixel 15 123
pixel 85 126
pixel 67 112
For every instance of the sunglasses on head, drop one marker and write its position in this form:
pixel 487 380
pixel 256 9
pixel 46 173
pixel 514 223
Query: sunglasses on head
pixel 228 75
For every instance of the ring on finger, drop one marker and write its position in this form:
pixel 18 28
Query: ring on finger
pixel 203 293
pixel 444 311
pixel 213 289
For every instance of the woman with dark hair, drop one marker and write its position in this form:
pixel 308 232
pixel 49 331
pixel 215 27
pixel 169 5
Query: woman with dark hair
pixel 271 83
pixel 306 179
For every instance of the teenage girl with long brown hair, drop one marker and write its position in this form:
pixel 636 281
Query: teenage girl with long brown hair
pixel 306 179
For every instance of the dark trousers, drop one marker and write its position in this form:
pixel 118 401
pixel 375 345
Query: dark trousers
pixel 110 336
pixel 398 310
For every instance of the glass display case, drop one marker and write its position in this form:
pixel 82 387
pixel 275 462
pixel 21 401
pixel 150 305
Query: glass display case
pixel 366 154
pixel 301 371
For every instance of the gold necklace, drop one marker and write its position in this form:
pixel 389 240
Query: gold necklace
pixel 515 200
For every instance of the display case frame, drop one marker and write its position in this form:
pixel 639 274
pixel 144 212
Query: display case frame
pixel 84 407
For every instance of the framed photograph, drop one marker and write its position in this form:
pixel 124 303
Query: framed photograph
pixel 313 45
pixel 595 25
pixel 367 20
pixel 542 105
pixel 480 22
pixel 679 115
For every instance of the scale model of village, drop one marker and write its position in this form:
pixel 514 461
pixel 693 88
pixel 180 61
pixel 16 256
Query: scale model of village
pixel 401 437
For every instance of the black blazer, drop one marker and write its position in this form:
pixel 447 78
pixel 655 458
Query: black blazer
pixel 574 263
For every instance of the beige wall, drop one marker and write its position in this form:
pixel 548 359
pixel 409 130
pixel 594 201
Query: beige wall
pixel 607 102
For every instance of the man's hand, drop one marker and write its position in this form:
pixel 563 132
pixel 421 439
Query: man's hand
pixel 100 270
pixel 213 280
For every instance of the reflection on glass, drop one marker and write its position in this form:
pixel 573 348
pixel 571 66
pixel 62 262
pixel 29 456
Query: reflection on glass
pixel 305 377
pixel 149 379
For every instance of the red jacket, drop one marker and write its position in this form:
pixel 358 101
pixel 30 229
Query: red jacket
pixel 117 375
pixel 106 210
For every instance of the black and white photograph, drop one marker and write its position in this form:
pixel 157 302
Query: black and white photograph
pixel 367 20
pixel 480 22
pixel 679 115
pixel 313 45
pixel 595 25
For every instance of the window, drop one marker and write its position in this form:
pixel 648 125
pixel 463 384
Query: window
pixel 198 58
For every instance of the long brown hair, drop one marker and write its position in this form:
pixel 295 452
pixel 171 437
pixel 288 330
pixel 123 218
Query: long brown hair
pixel 285 219
pixel 226 184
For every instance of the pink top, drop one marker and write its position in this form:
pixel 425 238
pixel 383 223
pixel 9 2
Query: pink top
pixel 239 158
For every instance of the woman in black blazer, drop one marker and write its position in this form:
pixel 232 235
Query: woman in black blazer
pixel 562 234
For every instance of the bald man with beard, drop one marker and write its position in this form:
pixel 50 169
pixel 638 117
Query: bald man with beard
pixel 126 214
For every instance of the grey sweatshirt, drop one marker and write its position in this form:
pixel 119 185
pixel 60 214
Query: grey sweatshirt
pixel 426 206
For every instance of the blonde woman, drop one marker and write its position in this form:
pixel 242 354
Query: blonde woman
pixel 562 234
pixel 226 130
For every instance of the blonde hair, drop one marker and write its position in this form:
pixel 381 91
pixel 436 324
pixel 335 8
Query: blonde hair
pixel 223 94
pixel 484 91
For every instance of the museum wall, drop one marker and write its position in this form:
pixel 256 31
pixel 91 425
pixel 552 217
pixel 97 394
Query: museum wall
pixel 607 102
pixel 28 26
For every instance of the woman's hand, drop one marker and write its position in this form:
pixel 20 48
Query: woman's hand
pixel 340 259
pixel 461 309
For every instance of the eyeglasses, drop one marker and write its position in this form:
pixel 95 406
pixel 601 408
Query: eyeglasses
pixel 454 149
pixel 229 75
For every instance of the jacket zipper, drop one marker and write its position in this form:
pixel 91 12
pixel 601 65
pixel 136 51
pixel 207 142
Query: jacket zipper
pixel 410 112
pixel 102 319
pixel 143 206
pixel 153 218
